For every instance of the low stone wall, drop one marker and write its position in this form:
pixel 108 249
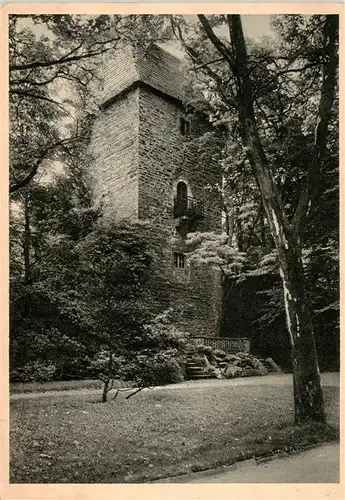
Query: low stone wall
pixel 227 344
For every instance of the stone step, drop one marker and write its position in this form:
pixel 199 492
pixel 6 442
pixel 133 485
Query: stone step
pixel 271 366
pixel 195 370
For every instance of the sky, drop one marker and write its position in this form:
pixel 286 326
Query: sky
pixel 254 26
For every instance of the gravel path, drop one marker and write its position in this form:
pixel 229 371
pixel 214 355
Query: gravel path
pixel 328 379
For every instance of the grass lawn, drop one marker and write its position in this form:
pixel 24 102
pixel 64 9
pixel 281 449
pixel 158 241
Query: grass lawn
pixel 155 434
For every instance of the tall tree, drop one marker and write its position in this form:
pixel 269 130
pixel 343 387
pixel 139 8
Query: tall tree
pixel 239 93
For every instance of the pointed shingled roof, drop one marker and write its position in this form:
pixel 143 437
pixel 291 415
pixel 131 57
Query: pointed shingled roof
pixel 154 67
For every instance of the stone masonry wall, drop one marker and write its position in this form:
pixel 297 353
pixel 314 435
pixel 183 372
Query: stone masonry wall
pixel 139 155
pixel 165 156
pixel 114 147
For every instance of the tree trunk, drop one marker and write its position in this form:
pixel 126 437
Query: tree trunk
pixel 108 379
pixel 105 390
pixel 26 240
pixel 307 385
pixel 308 395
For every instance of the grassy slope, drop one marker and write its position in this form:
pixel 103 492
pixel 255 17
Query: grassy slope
pixel 154 434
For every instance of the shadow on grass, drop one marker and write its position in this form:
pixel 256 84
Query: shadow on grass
pixel 282 440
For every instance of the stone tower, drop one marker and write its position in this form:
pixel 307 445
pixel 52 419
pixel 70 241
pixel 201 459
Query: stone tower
pixel 146 168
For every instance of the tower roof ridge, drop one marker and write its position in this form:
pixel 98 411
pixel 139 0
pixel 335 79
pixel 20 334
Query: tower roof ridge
pixel 153 66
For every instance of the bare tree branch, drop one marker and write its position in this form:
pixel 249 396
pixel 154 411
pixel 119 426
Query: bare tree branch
pixel 135 392
pixel 199 64
pixel 36 96
pixel 33 82
pixel 297 70
pixel 219 45
pixel 18 184
pixel 214 61
pixel 64 59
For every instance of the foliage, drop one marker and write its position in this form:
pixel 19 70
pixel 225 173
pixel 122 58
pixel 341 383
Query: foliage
pixel 212 248
pixel 34 371
pixel 154 369
pixel 87 303
pixel 46 221
pixel 85 296
pixel 151 355
pixel 50 334
pixel 55 74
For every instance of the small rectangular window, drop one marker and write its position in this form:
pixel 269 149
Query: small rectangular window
pixel 179 260
pixel 185 126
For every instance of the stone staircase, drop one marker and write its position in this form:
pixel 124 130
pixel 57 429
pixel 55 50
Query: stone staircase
pixel 195 371
pixel 271 366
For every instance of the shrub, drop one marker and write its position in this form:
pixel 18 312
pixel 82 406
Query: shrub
pixel 99 366
pixel 34 371
pixel 151 370
pixel 152 354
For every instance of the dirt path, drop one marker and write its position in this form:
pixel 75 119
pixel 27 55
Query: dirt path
pixel 328 379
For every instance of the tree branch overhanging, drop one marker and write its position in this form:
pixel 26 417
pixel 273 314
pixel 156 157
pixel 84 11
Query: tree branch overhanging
pixel 219 45
pixel 20 183
pixel 214 61
pixel 199 64
pixel 64 59
pixel 36 96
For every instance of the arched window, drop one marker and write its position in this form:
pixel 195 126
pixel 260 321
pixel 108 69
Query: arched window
pixel 181 190
pixel 182 195
pixel 185 126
